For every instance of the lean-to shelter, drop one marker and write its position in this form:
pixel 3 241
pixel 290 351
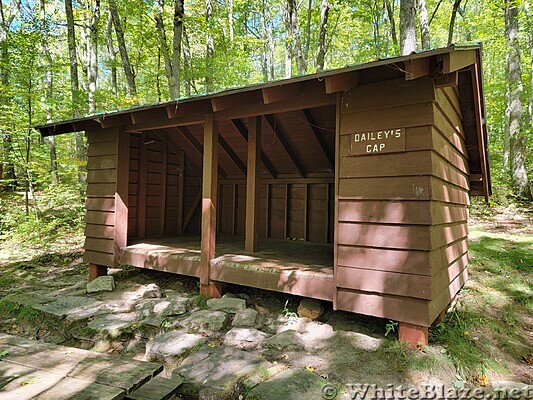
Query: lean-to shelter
pixel 350 186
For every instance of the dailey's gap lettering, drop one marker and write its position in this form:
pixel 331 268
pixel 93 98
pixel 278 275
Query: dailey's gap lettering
pixel 379 141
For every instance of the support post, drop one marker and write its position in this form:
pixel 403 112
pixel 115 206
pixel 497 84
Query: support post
pixel 252 184
pixel 121 195
pixel 209 204
pixel 96 270
pixel 413 335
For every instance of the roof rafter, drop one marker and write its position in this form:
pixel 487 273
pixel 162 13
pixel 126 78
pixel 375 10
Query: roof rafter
pixel 278 131
pixel 316 130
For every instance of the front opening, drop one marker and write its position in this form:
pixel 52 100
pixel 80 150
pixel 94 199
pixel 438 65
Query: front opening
pixel 296 198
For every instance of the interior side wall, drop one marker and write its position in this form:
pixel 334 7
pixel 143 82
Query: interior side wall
pixel 164 190
pixel 293 211
pixel 450 201
pixel 100 202
pixel 384 242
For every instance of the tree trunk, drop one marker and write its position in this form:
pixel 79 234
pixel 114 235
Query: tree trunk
pixel 270 40
pixel 456 5
pixel 295 33
pixel 210 47
pixel 187 64
pixel 112 54
pixel 172 61
pixel 424 25
pixel 92 76
pixel 515 129
pixel 129 73
pixel 390 14
pixel 9 172
pixel 49 81
pixel 324 12
pixel 230 21
pixel 74 81
pixel 307 42
pixel 407 27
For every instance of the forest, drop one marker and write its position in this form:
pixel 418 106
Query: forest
pixel 62 59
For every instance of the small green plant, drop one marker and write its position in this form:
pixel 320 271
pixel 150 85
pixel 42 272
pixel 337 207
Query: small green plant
pixel 3 353
pixel 291 316
pixel 390 327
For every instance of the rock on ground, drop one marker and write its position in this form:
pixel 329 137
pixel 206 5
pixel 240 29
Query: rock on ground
pixel 152 292
pixel 226 304
pixel 205 321
pixel 310 308
pixel 101 284
pixel 172 347
pixel 113 325
pixel 71 305
pixel 172 306
pixel 246 318
pixel 215 373
pixel 291 384
pixel 245 338
pixel 286 341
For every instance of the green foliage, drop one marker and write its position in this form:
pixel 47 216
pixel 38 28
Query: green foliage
pixel 489 322
pixel 55 212
pixel 390 327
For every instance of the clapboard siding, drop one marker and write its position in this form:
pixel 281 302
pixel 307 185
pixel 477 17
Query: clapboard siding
pixel 402 216
pixel 100 203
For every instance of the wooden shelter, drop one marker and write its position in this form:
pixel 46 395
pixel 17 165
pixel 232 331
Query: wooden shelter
pixel 350 186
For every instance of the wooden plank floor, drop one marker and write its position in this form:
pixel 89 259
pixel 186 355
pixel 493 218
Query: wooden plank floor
pixel 281 265
pixel 37 370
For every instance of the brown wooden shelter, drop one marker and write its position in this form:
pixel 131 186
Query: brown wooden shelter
pixel 350 186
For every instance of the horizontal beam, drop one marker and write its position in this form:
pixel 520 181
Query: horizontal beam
pixel 341 82
pixel 457 60
pixel 274 94
pixel 416 68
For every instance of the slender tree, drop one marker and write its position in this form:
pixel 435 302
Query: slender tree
pixel 324 13
pixel 390 14
pixel 6 20
pixel 111 54
pixel 129 73
pixel 92 68
pixel 172 60
pixel 209 46
pixel 514 123
pixel 293 44
pixel 424 24
pixel 48 93
pixel 451 27
pixel 407 27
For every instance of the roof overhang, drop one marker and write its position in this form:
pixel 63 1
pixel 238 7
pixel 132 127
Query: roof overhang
pixel 445 65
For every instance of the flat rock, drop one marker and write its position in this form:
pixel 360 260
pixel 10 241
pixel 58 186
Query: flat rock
pixel 214 373
pixel 512 389
pixel 152 292
pixel 246 318
pixel 29 299
pixel 360 340
pixel 205 321
pixel 286 341
pixel 172 306
pixel 157 388
pixel 317 335
pixel 113 324
pixel 77 306
pixel 245 338
pixel 226 304
pixel 172 347
pixel 310 308
pixel 101 284
pixel 291 384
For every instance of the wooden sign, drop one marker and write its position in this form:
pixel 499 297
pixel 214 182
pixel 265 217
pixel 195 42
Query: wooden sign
pixel 377 142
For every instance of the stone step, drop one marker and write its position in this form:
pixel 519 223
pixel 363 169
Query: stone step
pixel 158 388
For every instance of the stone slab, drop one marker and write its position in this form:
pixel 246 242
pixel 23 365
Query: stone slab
pixel 157 389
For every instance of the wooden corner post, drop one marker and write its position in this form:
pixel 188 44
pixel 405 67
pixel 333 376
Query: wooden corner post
pixel 121 195
pixel 252 184
pixel 209 204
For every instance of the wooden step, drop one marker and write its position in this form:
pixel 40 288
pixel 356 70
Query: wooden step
pixel 157 389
